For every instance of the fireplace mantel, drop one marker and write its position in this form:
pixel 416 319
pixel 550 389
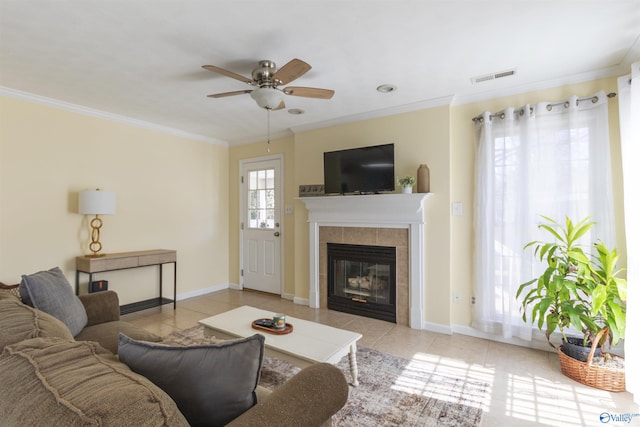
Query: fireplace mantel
pixel 379 210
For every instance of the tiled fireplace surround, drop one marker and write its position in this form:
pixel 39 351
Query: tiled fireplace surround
pixel 379 220
pixel 395 237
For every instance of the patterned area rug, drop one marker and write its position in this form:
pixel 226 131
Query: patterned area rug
pixel 393 391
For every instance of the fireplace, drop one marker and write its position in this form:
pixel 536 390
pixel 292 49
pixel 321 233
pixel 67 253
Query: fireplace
pixel 371 220
pixel 362 280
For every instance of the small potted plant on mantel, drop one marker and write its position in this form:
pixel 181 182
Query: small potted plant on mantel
pixel 582 290
pixel 407 183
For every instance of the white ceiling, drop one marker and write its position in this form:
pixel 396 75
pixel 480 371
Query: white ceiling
pixel 141 59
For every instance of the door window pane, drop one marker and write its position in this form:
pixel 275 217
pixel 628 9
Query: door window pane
pixel 261 203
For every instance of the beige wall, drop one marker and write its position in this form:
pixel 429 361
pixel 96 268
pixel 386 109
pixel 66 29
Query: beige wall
pixel 172 193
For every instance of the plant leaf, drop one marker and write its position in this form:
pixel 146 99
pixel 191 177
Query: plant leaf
pixel 598 297
pixel 551 230
pixel 621 288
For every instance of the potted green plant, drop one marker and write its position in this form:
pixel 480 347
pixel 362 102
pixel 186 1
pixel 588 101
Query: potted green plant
pixel 577 288
pixel 407 183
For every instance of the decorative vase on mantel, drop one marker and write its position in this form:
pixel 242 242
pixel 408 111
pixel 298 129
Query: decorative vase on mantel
pixel 407 190
pixel 423 179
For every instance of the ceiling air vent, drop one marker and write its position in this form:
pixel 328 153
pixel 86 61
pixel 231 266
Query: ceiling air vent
pixel 493 76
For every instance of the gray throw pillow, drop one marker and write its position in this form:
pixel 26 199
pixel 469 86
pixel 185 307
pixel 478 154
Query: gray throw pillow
pixel 49 291
pixel 212 384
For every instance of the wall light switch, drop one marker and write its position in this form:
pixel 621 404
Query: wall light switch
pixel 288 209
pixel 457 208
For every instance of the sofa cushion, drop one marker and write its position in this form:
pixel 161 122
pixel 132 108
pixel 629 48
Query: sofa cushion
pixel 50 292
pixel 12 294
pixel 19 322
pixel 107 334
pixel 50 381
pixel 211 384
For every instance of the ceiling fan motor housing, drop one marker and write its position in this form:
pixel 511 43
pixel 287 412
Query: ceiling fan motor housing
pixel 263 74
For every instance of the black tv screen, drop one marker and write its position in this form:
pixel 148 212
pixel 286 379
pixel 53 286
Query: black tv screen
pixel 359 170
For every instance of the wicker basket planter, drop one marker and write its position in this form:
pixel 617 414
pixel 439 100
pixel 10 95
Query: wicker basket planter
pixel 586 373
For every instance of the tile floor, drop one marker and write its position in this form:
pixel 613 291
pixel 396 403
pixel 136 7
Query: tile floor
pixel 526 386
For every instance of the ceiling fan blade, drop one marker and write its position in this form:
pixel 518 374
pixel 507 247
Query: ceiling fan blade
pixel 279 107
pixel 228 73
pixel 309 92
pixel 222 95
pixel 291 71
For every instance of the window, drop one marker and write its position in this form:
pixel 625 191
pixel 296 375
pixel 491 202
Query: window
pixel 554 162
pixel 261 203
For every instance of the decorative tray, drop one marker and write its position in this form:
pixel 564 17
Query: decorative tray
pixel 287 330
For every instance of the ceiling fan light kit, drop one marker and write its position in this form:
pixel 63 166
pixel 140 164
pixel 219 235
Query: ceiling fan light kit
pixel 267 97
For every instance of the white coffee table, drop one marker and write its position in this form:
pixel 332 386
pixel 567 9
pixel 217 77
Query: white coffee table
pixel 308 343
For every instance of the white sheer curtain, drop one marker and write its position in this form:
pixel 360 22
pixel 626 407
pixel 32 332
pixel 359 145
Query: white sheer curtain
pixel 549 159
pixel 629 101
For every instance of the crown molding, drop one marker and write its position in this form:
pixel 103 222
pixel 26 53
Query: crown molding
pixel 79 109
pixel 375 114
pixel 261 138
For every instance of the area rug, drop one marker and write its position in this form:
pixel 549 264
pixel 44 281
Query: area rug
pixel 393 391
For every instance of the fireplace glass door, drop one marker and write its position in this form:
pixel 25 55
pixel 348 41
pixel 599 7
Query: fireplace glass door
pixel 361 280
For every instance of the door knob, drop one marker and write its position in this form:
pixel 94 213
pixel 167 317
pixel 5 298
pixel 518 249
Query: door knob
pixel 277 233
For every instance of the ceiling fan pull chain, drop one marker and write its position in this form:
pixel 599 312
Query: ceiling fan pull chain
pixel 268 130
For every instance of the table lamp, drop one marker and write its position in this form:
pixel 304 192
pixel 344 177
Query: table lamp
pixel 96 202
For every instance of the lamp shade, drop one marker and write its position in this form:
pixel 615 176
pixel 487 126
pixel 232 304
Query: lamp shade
pixel 267 97
pixel 97 202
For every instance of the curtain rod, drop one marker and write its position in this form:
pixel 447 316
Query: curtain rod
pixel 501 114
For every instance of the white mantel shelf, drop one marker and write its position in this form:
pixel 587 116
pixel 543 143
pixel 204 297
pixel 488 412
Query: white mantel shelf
pixel 375 210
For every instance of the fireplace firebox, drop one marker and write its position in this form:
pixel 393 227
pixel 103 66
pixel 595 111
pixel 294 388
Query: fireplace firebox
pixel 362 280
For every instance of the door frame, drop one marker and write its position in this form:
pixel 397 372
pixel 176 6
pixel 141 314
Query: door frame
pixel 280 201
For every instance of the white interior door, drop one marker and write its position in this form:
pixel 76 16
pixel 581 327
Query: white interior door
pixel 260 230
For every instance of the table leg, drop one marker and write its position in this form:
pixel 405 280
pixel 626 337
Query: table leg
pixel 160 269
pixel 353 365
pixel 175 284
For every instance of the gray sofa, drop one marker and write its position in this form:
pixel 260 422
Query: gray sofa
pixel 49 377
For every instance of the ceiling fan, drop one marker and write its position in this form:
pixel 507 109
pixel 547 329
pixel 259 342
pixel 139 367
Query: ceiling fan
pixel 267 79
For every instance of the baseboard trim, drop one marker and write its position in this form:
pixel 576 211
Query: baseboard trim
pixel 538 342
pixel 437 327
pixel 301 301
pixel 203 291
pixel 288 296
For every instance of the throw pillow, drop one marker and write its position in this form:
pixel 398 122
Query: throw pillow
pixel 50 292
pixel 55 382
pixel 211 384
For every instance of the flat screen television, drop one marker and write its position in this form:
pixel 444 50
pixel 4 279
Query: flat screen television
pixel 359 170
